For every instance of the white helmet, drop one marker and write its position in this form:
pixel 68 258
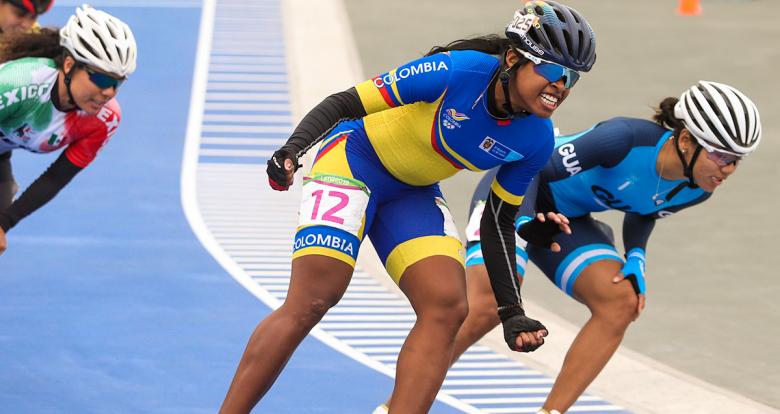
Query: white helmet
pixel 99 39
pixel 720 117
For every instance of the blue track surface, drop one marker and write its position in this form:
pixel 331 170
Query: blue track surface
pixel 108 303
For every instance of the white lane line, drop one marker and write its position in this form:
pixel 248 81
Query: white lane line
pixel 250 243
pixel 363 342
pixel 247 118
pixel 376 318
pixel 385 358
pixel 379 350
pixel 247 128
pixel 246 77
pixel 249 51
pixel 138 4
pixel 248 107
pixel 248 44
pixel 265 281
pixel 372 310
pixel 482 357
pixel 244 249
pixel 493 382
pixel 505 364
pixel 497 373
pixel 370 334
pixel 574 409
pixel 394 303
pixel 248 97
pixel 235 153
pixel 499 391
pixel 359 289
pixel 273 257
pixel 269 89
pixel 364 325
pixel 247 60
pixel 519 400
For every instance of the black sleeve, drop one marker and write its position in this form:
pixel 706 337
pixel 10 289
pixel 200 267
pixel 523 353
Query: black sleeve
pixel 40 192
pixel 636 230
pixel 322 119
pixel 497 234
pixel 6 181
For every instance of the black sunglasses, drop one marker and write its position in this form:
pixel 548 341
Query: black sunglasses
pixel 102 80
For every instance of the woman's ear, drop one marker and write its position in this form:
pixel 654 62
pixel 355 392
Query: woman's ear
pixel 67 64
pixel 686 141
pixel 511 57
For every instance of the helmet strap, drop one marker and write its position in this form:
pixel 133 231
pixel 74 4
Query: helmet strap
pixel 504 76
pixel 687 167
pixel 687 170
pixel 68 78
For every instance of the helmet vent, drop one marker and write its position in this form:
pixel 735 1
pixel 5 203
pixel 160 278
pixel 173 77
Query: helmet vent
pixel 102 43
pixel 721 116
pixel 732 110
pixel 567 40
pixel 112 30
pixel 556 47
pixel 534 35
pixel 699 109
pixel 745 110
pixel 89 48
pixel 710 124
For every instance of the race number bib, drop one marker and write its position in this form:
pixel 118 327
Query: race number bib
pixel 333 201
pixel 522 23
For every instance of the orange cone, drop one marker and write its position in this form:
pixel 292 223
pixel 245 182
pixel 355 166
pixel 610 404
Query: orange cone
pixel 689 8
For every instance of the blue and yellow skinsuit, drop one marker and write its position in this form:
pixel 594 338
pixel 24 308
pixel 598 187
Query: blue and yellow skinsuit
pixel 611 166
pixel 378 176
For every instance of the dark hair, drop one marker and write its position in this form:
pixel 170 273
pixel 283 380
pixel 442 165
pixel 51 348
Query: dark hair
pixel 490 44
pixel 43 43
pixel 664 116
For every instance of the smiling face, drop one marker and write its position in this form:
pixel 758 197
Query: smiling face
pixel 14 18
pixel 532 92
pixel 86 94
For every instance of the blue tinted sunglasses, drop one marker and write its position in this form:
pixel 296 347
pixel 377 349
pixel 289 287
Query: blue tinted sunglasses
pixel 553 72
pixel 102 80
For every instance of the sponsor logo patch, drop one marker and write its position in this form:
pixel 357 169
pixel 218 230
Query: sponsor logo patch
pixel 452 118
pixel 499 150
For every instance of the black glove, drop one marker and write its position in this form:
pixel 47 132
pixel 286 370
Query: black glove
pixel 517 323
pixel 277 175
pixel 539 233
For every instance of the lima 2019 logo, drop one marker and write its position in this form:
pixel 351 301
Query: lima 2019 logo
pixel 453 118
